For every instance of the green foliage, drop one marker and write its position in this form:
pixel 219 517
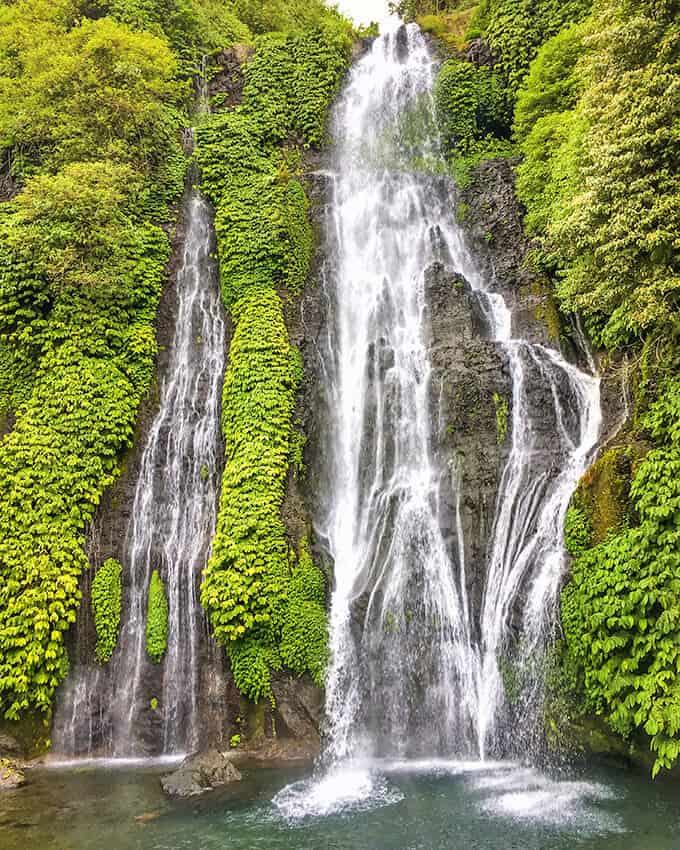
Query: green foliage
pixel 266 15
pixel 516 29
pixel 552 84
pixel 291 80
pixel 107 93
pixel 577 530
pixel 599 177
pixel 621 610
pixel 251 587
pixel 156 619
pixel 450 29
pixel 106 607
pixel 194 28
pixel 88 125
pixel 94 350
pixel 471 106
pixel 501 405
pixel 304 637
pixel 409 10
pixel 235 741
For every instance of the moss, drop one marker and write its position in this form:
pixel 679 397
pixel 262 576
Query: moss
pixel 545 310
pixel 451 29
pixel 603 493
pixel 501 406
pixel 31 732
pixel 106 607
pixel 157 619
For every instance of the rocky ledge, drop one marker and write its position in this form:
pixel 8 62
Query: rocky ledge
pixel 201 773
pixel 10 775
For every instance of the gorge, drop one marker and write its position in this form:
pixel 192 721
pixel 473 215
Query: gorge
pixel 341 483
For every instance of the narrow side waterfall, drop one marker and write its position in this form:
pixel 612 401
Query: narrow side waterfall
pixel 416 660
pixel 170 530
pixel 175 509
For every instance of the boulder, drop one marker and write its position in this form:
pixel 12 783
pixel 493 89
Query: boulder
pixel 10 775
pixel 9 746
pixel 200 773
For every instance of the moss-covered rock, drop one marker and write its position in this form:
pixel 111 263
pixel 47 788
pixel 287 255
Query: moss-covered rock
pixel 10 775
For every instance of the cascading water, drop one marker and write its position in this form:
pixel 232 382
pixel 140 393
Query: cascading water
pixel 415 668
pixel 176 500
pixel 171 529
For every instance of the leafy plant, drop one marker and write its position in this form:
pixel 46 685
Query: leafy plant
pixel 621 610
pixel 501 405
pixel 252 585
pixel 157 619
pixel 106 607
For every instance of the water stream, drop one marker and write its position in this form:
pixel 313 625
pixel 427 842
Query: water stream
pixel 422 746
pixel 416 667
pixel 171 528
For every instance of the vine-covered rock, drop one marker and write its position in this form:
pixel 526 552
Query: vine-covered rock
pixel 266 603
pixel 106 607
pixel 157 619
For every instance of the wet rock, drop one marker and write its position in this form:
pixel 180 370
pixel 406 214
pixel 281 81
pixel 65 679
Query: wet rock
pixel 11 776
pixel 470 378
pixel 479 53
pixel 299 704
pixel 9 746
pixel 199 774
pixel 493 223
pixel 227 83
pixel 402 43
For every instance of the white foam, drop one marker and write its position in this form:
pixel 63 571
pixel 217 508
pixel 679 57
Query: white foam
pixel 449 767
pixel 528 795
pixel 343 789
pixel 113 763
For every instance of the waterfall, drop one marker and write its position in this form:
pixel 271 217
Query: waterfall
pixel 175 506
pixel 170 530
pixel 416 663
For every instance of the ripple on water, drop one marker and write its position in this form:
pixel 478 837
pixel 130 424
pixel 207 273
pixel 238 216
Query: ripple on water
pixel 341 790
pixel 528 795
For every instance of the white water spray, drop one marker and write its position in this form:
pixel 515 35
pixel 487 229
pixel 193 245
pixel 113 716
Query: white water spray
pixel 171 527
pixel 415 670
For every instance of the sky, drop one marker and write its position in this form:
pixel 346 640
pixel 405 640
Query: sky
pixel 364 11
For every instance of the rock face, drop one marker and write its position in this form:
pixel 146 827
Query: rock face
pixel 492 218
pixel 199 774
pixel 10 746
pixel 227 84
pixel 10 775
pixel 470 380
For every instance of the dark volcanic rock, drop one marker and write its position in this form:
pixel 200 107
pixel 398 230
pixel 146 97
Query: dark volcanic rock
pixel 200 773
pixel 493 223
pixel 479 53
pixel 299 704
pixel 470 378
pixel 228 81
pixel 402 43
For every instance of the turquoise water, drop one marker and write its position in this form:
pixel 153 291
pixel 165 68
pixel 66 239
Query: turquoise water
pixel 443 806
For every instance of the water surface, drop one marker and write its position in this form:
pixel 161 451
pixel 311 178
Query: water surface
pixel 428 806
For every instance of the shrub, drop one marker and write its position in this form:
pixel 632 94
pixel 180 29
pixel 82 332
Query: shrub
pixel 157 619
pixel 106 607
pixel 621 609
